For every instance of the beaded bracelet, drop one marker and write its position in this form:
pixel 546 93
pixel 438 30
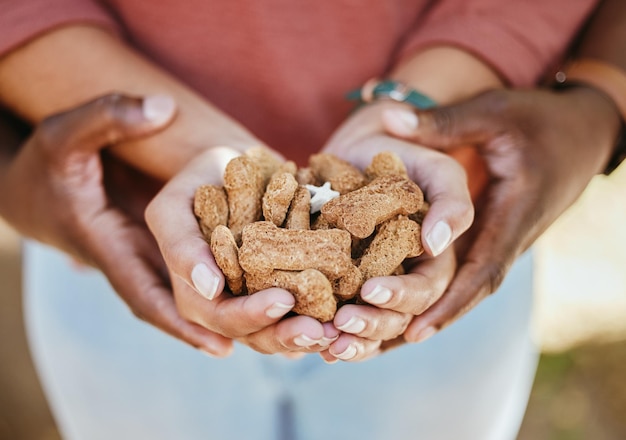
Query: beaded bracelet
pixel 381 90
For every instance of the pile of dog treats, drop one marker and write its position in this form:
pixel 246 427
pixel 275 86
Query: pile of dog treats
pixel 319 232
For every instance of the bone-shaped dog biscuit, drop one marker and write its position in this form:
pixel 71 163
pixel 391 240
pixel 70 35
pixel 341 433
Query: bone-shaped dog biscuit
pixel 225 252
pixel 299 214
pixel 385 164
pixel 278 196
pixel 396 240
pixel 360 211
pixel 265 247
pixel 211 207
pixel 244 187
pixel 347 287
pixel 311 289
pixel 343 176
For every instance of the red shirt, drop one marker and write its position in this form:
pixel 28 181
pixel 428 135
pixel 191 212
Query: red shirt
pixel 282 67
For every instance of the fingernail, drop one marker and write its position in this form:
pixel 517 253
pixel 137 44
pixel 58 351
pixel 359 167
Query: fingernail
pixel 354 325
pixel 205 281
pixel 425 334
pixel 158 109
pixel 348 353
pixel 330 361
pixel 439 237
pixel 208 353
pixel 403 122
pixel 304 341
pixel 378 295
pixel 294 355
pixel 325 342
pixel 277 310
pixel 215 352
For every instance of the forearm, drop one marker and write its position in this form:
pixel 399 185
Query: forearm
pixel 605 36
pixel 599 62
pixel 91 62
pixel 446 74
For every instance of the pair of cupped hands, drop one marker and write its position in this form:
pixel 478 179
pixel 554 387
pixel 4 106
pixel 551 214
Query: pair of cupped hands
pixel 65 189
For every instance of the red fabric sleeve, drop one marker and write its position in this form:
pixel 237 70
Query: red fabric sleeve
pixel 24 20
pixel 519 40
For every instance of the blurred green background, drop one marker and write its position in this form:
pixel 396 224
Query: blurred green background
pixel 580 323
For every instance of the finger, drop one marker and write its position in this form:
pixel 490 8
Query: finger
pixel 104 121
pixel 138 283
pixel 351 348
pixel 471 285
pixel 233 316
pixel 416 291
pixel 172 222
pixel 481 272
pixel 440 177
pixel 299 333
pixel 470 122
pixel 371 322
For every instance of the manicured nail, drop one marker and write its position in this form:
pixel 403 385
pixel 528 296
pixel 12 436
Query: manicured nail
pixel 425 334
pixel 325 342
pixel 304 341
pixel 294 355
pixel 158 109
pixel 403 122
pixel 379 295
pixel 354 325
pixel 277 310
pixel 348 353
pixel 208 353
pixel 215 352
pixel 439 237
pixel 205 281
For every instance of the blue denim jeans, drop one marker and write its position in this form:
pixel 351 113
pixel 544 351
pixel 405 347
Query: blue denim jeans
pixel 109 376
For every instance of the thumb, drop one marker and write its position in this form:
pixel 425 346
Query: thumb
pixel 104 121
pixel 470 122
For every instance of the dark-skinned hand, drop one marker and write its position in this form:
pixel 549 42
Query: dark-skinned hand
pixel 540 147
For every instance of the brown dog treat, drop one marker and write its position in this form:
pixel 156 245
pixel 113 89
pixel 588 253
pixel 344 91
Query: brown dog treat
pixel 343 176
pixel 360 211
pixel 400 270
pixel 305 176
pixel 288 167
pixel 347 287
pixel 320 223
pixel 418 217
pixel 311 289
pixel 211 207
pixel 226 256
pixel 298 216
pixel 385 164
pixel 266 247
pixel 359 245
pixel 278 196
pixel 395 240
pixel 267 161
pixel 244 186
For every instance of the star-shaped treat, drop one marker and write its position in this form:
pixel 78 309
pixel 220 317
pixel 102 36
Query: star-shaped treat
pixel 320 195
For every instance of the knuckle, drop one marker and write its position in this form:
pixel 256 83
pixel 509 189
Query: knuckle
pixel 112 109
pixel 497 102
pixel 139 314
pixel 444 121
pixel 49 135
pixel 496 272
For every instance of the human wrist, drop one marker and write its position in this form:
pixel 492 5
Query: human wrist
pixel 446 74
pixel 606 81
